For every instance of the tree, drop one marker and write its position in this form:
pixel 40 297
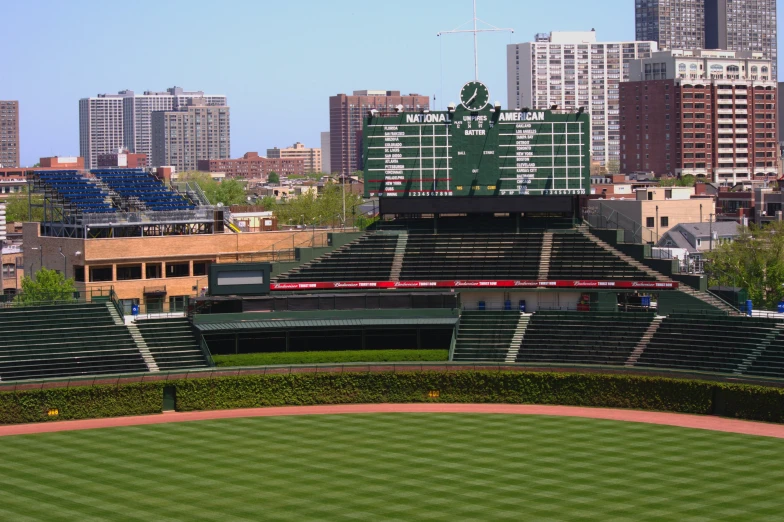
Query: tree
pixel 228 192
pixel 359 174
pixel 754 261
pixel 231 192
pixel 48 285
pixel 273 178
pixel 613 166
pixel 17 207
pixel 322 209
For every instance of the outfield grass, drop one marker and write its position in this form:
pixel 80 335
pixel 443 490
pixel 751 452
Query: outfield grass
pixel 392 466
pixel 263 359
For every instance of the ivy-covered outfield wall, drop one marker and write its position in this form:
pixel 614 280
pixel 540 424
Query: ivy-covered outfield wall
pixel 575 389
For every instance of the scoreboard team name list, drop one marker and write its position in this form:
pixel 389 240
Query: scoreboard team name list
pixel 477 154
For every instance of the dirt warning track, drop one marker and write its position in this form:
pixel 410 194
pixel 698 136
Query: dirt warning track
pixel 670 419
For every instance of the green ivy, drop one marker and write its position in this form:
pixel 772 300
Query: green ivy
pixel 482 386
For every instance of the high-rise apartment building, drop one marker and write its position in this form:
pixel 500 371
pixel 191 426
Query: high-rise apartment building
pixel 701 112
pixel 100 126
pixel 742 25
pixel 345 122
pixel 326 164
pixel 138 109
pixel 734 25
pixel 672 24
pixel 311 156
pixel 573 70
pixel 98 119
pixel 193 132
pixel 9 134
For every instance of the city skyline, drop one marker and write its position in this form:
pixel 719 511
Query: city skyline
pixel 290 101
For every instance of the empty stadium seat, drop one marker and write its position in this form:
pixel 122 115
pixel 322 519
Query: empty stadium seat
pixel 63 341
pixel 75 191
pixel 707 342
pixel 467 255
pixel 368 258
pixel 141 187
pixel 485 335
pixel 574 256
pixel 172 343
pixel 606 338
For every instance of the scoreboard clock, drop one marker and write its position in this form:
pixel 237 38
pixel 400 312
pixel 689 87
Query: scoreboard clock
pixel 476 149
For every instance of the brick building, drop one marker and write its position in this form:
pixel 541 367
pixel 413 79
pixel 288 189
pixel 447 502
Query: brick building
pixel 9 134
pixel 345 120
pixel 253 166
pixel 312 156
pixel 123 158
pixel 705 113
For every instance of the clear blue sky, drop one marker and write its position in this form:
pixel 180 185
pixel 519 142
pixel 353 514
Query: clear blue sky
pixel 277 61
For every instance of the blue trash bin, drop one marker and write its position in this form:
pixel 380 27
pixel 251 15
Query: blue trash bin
pixel 781 307
pixel 481 305
pixel 646 300
pixel 135 309
pixel 748 307
pixel 522 305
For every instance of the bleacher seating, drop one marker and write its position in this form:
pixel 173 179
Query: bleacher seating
pixel 139 186
pixel 485 335
pixel 706 342
pixel 574 256
pixel 605 338
pixel 76 191
pixel 488 255
pixel 63 341
pixel 368 258
pixel 770 363
pixel 172 343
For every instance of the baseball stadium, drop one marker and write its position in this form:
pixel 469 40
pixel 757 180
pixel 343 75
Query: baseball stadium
pixel 535 364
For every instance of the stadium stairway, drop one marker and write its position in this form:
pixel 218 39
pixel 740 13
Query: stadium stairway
pixel 644 340
pixel 544 260
pixel 400 252
pixel 770 362
pixel 702 296
pixel 485 335
pixel 172 343
pixel 149 360
pixel 517 338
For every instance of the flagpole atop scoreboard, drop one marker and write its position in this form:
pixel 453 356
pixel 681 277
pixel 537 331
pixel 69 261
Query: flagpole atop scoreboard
pixel 492 29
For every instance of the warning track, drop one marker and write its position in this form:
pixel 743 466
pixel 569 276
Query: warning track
pixel 670 419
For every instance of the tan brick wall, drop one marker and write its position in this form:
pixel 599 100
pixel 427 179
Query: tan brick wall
pixel 217 248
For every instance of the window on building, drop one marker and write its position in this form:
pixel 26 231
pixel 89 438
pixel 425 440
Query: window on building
pixel 665 221
pixel 78 274
pixel 650 222
pixel 178 269
pixel 9 270
pixel 128 272
pixel 100 273
pixel 200 268
pixel 153 271
pixel 177 303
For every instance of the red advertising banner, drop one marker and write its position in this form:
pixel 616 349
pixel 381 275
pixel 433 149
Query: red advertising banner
pixel 508 283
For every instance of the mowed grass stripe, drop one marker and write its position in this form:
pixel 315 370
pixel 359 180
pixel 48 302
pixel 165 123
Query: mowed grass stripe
pixel 392 467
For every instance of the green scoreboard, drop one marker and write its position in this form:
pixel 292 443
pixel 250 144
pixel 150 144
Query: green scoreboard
pixel 475 149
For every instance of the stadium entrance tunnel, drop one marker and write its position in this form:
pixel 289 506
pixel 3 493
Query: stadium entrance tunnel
pixel 330 338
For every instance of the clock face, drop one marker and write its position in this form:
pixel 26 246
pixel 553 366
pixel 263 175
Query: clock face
pixel 474 96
